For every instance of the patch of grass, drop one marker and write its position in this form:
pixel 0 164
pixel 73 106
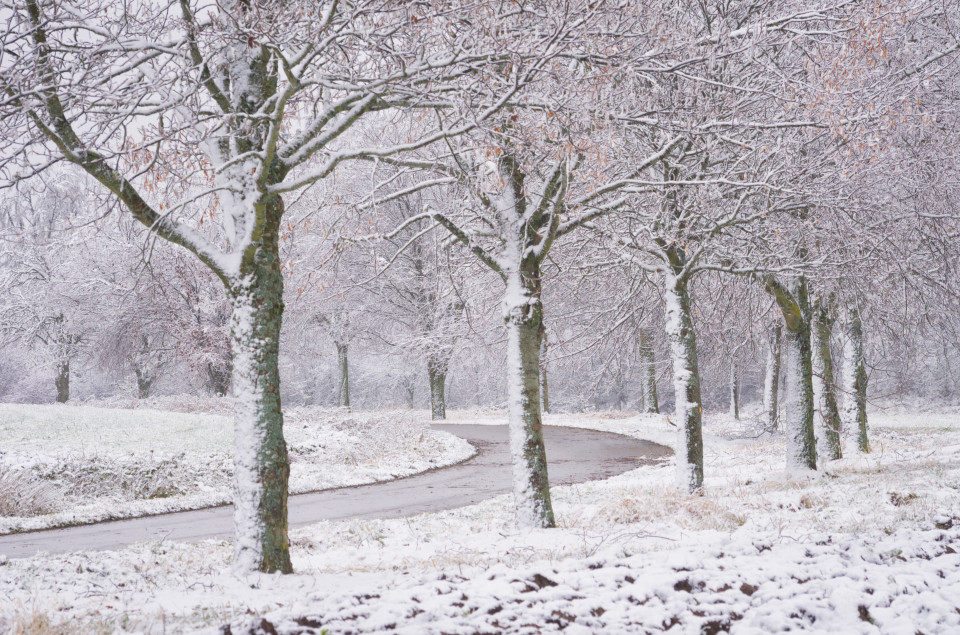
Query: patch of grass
pixel 23 494
pixel 33 622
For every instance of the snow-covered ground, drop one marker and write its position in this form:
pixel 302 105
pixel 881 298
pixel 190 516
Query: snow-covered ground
pixel 867 545
pixel 63 465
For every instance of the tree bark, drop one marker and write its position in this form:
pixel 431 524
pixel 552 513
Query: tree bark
pixel 219 378
pixel 686 383
pixel 544 387
pixel 824 387
pixel 771 380
pixel 734 391
pixel 651 403
pixel 62 381
pixel 523 314
pixel 261 465
pixel 801 440
pixel 144 382
pixel 854 414
pixel 343 377
pixel 437 373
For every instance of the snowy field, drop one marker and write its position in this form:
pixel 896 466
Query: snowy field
pixel 64 465
pixel 868 545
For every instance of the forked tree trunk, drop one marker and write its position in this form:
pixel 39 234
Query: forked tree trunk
pixel 854 414
pixel 686 384
pixel 62 381
pixel 771 380
pixel 343 377
pixel 523 315
pixel 261 466
pixel 651 402
pixel 824 388
pixel 801 440
pixel 734 391
pixel 437 373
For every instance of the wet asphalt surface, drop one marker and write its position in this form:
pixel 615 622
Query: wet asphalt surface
pixel 574 455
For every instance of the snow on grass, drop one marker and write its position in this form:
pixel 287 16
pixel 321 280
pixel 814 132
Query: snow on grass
pixel 867 545
pixel 83 463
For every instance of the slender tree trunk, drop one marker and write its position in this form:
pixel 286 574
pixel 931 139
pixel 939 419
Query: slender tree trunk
pixel 854 414
pixel 651 403
pixel 411 393
pixel 62 381
pixel 343 377
pixel 261 466
pixel 437 373
pixel 771 380
pixel 824 388
pixel 686 383
pixel 801 440
pixel 734 391
pixel 523 314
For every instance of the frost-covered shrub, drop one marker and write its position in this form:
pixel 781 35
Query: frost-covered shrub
pixel 23 494
pixel 334 436
pixel 131 478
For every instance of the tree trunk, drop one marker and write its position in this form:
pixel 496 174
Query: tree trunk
pixel 734 391
pixel 144 382
pixel 801 440
pixel 544 388
pixel 651 402
pixel 62 381
pixel 218 378
pixel 523 314
pixel 686 383
pixel 824 388
pixel 343 377
pixel 437 372
pixel 261 466
pixel 855 382
pixel 771 380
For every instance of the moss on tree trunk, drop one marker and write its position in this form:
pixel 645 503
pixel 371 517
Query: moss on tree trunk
pixel 801 439
pixel 262 468
pixel 524 322
pixel 855 384
pixel 825 384
pixel 686 382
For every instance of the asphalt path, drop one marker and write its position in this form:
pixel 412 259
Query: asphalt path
pixel 574 455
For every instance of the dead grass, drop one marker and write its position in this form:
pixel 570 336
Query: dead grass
pixel 33 622
pixel 669 504
pixel 23 494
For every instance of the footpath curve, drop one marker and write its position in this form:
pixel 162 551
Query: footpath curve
pixel 574 455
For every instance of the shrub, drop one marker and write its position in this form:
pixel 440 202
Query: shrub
pixel 23 494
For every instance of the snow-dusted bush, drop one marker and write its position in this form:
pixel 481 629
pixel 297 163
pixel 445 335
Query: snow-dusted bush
pixel 23 494
pixel 335 436
pixel 133 478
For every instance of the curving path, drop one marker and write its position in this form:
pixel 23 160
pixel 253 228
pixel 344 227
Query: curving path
pixel 574 455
